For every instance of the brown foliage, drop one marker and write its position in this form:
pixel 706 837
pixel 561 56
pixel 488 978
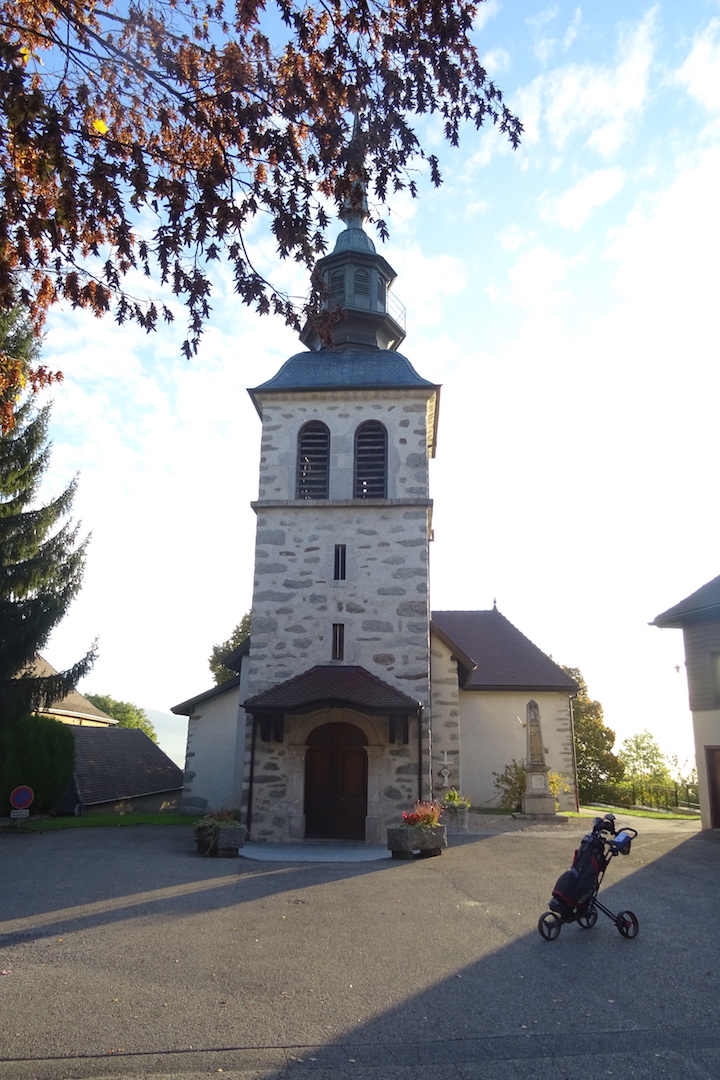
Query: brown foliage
pixel 147 137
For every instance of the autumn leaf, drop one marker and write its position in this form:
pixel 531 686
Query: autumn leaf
pixel 217 116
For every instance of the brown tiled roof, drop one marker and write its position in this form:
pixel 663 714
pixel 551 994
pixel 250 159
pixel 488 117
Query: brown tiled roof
pixel 73 705
pixel 331 685
pixel 503 658
pixel 704 603
pixel 119 763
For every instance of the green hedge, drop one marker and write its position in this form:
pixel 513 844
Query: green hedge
pixel 36 751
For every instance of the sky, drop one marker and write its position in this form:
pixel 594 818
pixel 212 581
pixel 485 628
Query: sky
pixel 564 295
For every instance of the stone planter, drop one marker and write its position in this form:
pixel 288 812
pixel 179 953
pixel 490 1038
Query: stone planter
pixel 455 821
pixel 229 839
pixel 222 841
pixel 427 840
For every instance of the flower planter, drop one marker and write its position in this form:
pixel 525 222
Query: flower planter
pixel 222 841
pixel 456 821
pixel 427 840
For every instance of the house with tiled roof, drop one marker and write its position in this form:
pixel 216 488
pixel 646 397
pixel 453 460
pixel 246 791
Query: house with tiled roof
pixel 698 616
pixel 73 708
pixel 351 702
pixel 120 770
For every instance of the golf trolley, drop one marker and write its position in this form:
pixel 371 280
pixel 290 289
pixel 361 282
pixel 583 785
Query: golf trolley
pixel 574 897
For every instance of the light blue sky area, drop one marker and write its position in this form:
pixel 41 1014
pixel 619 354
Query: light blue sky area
pixel 171 734
pixel 565 295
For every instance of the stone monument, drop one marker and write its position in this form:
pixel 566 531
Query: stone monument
pixel 538 800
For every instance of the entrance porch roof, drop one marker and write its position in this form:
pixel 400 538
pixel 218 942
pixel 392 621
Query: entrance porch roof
pixel 328 686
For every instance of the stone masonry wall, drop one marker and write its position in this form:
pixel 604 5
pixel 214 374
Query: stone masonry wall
pixel 383 601
pixel 446 758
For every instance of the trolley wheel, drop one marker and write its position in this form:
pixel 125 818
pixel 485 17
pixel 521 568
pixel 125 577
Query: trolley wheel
pixel 627 923
pixel 549 925
pixel 588 920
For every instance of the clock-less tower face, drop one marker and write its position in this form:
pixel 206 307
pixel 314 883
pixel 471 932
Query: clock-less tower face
pixel 343 528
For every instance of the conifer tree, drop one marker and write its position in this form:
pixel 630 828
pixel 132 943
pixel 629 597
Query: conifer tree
pixel 41 558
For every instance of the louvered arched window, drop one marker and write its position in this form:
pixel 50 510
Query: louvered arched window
pixel 371 461
pixel 313 461
pixel 362 283
pixel 337 286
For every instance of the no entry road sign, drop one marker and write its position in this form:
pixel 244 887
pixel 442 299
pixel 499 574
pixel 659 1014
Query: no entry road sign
pixel 21 797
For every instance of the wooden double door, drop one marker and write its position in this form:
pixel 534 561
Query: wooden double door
pixel 336 783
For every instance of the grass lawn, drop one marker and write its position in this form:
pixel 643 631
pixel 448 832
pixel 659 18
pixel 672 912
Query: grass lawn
pixel 619 811
pixel 102 821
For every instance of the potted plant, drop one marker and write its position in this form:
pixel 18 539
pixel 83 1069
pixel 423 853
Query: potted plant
pixel 420 832
pixel 219 833
pixel 455 809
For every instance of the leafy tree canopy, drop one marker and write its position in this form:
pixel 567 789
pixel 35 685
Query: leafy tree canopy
pixel 595 761
pixel 41 558
pixel 126 714
pixel 149 137
pixel 221 652
pixel 643 759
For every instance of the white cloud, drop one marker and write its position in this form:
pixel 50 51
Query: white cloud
pixel 424 281
pixel 513 237
pixel 489 10
pixel 700 74
pixel 599 103
pixel 573 30
pixel 472 209
pixel 664 255
pixel 573 207
pixel 545 45
pixel 534 279
pixel 543 17
pixel 496 61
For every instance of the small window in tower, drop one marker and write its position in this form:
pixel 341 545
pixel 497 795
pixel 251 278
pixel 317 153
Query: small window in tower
pixel 313 461
pixel 338 641
pixel 340 552
pixel 371 461
pixel 337 285
pixel 362 283
pixel 381 293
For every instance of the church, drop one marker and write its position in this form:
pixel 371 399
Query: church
pixel 352 699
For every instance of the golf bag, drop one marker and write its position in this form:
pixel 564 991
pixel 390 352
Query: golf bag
pixel 575 896
pixel 576 887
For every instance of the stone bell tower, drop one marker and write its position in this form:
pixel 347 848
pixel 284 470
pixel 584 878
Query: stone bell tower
pixel 338 728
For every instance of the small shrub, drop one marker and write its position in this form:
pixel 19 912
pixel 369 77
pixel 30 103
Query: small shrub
pixel 512 782
pixel 455 801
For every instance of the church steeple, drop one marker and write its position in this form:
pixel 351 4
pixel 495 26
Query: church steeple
pixel 357 283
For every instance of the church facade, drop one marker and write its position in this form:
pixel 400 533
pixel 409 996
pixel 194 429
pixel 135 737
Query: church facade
pixel 351 700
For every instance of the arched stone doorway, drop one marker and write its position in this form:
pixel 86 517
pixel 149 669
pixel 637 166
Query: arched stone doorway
pixel 336 782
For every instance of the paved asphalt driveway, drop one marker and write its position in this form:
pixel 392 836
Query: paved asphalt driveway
pixel 124 954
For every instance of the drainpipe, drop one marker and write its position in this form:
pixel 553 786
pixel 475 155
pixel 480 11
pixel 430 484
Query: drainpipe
pixel 574 757
pixel 420 762
pixel 251 778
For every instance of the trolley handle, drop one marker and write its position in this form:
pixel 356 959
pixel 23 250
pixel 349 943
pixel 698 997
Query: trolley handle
pixel 620 845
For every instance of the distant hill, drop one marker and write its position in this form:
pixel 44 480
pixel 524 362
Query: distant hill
pixel 171 734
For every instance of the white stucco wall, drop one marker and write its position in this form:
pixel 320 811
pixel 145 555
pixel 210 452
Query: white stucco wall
pixel 215 755
pixel 491 736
